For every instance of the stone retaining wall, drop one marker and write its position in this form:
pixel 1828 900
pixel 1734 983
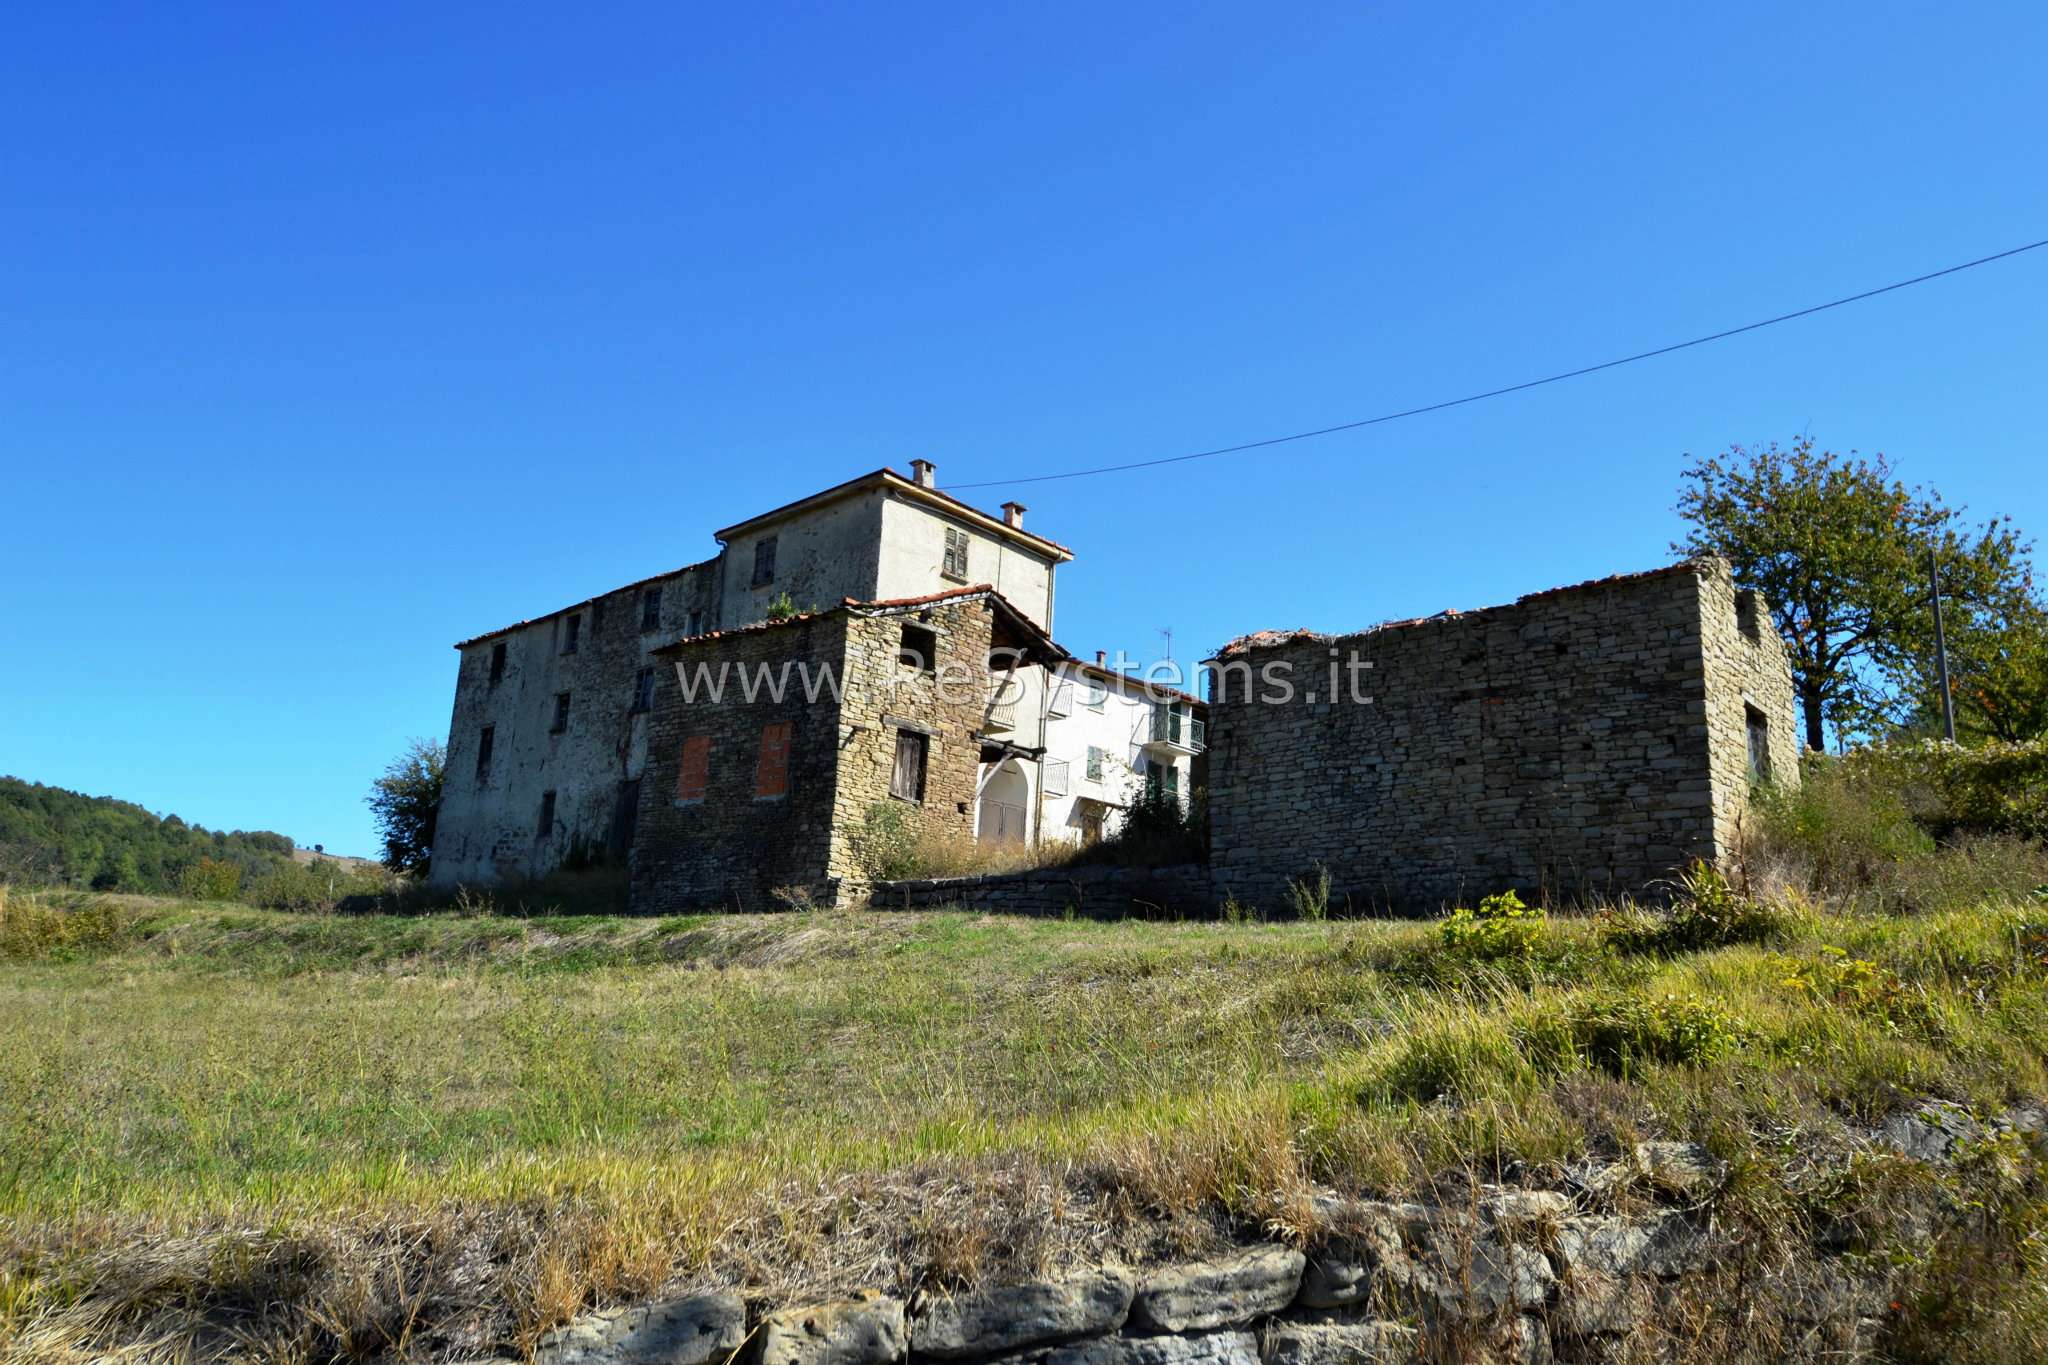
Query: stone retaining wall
pixel 1627 1250
pixel 1180 892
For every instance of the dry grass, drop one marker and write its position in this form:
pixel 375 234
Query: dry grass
pixel 336 1137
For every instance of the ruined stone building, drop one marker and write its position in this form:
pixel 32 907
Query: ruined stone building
pixel 571 741
pixel 1580 742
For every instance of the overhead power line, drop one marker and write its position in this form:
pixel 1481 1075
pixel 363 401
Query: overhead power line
pixel 1507 389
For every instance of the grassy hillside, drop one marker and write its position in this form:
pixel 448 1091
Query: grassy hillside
pixel 609 1104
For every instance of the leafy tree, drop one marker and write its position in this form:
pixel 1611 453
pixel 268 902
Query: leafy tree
pixel 405 802
pixel 1998 671
pixel 63 838
pixel 1839 546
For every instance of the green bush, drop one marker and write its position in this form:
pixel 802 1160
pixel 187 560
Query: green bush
pixel 1708 913
pixel 1501 929
pixel 1953 791
pixel 1622 1033
pixel 313 886
pixel 888 844
pixel 32 926
pixel 210 879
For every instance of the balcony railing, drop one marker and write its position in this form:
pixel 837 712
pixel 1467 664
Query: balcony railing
pixel 1174 729
pixel 1000 718
pixel 1056 777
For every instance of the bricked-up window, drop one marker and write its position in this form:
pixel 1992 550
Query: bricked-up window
pixel 1759 727
pixel 956 555
pixel 695 773
pixel 650 609
pixel 546 826
pixel 1094 764
pixel 484 739
pixel 643 690
pixel 771 771
pixel 561 714
pixel 906 779
pixel 764 560
pixel 919 648
pixel 497 663
pixel 572 632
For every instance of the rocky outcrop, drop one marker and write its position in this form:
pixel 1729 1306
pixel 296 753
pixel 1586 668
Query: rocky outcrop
pixel 1006 1317
pixel 698 1330
pixel 1252 1284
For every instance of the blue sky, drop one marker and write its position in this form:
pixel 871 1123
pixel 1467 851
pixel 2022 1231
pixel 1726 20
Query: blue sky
pixel 329 337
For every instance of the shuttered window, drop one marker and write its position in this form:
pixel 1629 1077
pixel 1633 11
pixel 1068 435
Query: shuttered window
pixel 956 554
pixel 695 774
pixel 906 779
pixel 771 773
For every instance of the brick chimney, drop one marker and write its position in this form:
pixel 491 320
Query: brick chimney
pixel 1013 514
pixel 924 473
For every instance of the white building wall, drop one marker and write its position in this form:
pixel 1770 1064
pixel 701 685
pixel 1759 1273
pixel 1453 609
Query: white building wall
pixel 1119 728
pixel 913 551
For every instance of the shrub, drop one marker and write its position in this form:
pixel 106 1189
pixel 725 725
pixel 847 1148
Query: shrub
pixel 210 879
pixel 1311 894
pixel 32 926
pixel 1952 791
pixel 1708 913
pixel 1502 928
pixel 317 886
pixel 888 846
pixel 1621 1033
pixel 1158 830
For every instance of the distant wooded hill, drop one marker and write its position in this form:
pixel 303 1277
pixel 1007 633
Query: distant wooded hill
pixel 50 836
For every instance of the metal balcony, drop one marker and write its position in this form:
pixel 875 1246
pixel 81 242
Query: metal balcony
pixel 1174 731
pixel 1054 782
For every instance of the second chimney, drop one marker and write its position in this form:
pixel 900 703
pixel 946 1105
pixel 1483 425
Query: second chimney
pixel 1013 514
pixel 924 473
pixel 1102 658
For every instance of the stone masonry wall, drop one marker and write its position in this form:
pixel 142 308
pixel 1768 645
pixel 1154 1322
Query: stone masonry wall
pixel 730 849
pixel 1749 674
pixel 489 828
pixel 884 698
pixel 1561 745
pixel 1180 892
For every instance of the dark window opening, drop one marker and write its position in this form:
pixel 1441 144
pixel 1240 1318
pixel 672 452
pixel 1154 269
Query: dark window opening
pixel 696 623
pixel 1746 615
pixel 546 826
pixel 497 663
pixel 764 561
pixel 572 632
pixel 484 740
pixel 1759 728
pixel 1162 781
pixel 919 648
pixel 906 779
pixel 561 714
pixel 955 565
pixel 650 609
pixel 643 690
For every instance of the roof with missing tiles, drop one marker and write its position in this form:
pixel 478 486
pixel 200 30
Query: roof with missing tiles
pixel 1271 639
pixel 577 606
pixel 881 607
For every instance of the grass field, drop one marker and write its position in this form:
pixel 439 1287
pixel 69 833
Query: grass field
pixel 212 1112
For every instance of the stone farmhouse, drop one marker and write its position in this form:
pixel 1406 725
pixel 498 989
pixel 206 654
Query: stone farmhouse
pixel 571 740
pixel 1581 742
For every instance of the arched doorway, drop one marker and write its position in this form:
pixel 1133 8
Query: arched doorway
pixel 1005 805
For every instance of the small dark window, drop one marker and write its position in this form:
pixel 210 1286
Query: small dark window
pixel 572 632
pixel 497 663
pixel 906 779
pixel 955 565
pixel 919 648
pixel 1162 782
pixel 764 560
pixel 1759 728
pixel 546 826
pixel 1746 612
pixel 561 714
pixel 643 690
pixel 650 609
pixel 483 753
pixel 696 623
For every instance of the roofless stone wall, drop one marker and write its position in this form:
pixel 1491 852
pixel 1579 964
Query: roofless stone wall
pixel 1582 742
